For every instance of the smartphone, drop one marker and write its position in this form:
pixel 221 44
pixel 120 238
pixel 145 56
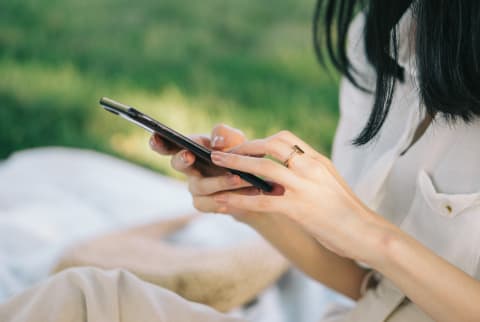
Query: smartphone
pixel 153 126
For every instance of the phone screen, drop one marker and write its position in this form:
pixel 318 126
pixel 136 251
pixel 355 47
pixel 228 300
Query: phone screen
pixel 153 126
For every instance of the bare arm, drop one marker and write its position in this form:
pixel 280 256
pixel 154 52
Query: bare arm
pixel 442 290
pixel 339 273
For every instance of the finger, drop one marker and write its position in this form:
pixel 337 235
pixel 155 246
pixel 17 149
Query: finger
pixel 164 146
pixel 246 203
pixel 291 139
pixel 311 159
pixel 277 190
pixel 298 162
pixel 258 166
pixel 208 185
pixel 183 162
pixel 201 139
pixel 158 144
pixel 224 137
pixel 205 203
pixel 208 204
pixel 274 148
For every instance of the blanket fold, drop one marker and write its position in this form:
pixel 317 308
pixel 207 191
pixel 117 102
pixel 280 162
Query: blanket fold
pixel 221 277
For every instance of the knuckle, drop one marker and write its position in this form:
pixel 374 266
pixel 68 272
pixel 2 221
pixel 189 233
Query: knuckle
pixel 266 144
pixel 285 134
pixel 274 139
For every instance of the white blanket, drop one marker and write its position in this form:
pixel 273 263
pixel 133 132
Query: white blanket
pixel 52 197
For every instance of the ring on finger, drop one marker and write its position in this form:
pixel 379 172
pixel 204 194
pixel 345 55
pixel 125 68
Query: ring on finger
pixel 296 150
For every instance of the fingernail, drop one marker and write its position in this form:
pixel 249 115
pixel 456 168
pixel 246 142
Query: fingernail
pixel 184 157
pixel 218 141
pixel 152 142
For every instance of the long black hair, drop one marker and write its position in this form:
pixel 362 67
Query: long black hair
pixel 447 51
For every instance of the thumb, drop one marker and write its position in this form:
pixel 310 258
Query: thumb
pixel 226 137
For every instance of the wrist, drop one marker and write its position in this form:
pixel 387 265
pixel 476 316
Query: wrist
pixel 375 238
pixel 385 243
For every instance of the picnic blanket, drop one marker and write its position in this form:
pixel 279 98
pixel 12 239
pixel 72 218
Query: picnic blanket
pixel 52 199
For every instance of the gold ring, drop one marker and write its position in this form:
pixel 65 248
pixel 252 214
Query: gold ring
pixel 296 150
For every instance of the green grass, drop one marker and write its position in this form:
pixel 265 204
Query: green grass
pixel 191 64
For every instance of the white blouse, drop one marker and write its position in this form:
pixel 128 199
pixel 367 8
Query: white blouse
pixel 432 192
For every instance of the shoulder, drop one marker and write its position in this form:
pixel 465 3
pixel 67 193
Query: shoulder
pixel 363 71
pixel 356 52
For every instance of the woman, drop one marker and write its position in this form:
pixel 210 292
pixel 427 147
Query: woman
pixel 409 205
pixel 394 220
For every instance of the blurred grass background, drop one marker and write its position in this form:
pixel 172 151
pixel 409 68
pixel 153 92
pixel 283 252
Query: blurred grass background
pixel 190 64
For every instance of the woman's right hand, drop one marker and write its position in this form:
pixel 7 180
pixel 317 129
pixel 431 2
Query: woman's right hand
pixel 203 182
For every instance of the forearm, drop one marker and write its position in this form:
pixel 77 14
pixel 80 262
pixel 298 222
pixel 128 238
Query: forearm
pixel 440 289
pixel 338 273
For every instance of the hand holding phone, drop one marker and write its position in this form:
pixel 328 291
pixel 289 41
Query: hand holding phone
pixel 185 161
pixel 202 153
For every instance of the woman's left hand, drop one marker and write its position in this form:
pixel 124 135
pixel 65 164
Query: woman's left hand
pixel 314 194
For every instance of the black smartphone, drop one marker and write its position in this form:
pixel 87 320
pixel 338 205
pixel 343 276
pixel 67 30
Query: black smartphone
pixel 153 126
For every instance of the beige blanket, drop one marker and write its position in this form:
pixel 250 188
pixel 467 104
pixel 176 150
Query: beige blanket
pixel 223 278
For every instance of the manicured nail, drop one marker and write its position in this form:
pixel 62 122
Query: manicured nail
pixel 152 142
pixel 184 157
pixel 218 141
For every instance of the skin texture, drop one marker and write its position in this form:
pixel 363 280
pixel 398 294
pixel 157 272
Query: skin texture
pixel 327 226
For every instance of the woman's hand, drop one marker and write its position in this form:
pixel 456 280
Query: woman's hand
pixel 203 183
pixel 222 137
pixel 315 195
pixel 300 247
